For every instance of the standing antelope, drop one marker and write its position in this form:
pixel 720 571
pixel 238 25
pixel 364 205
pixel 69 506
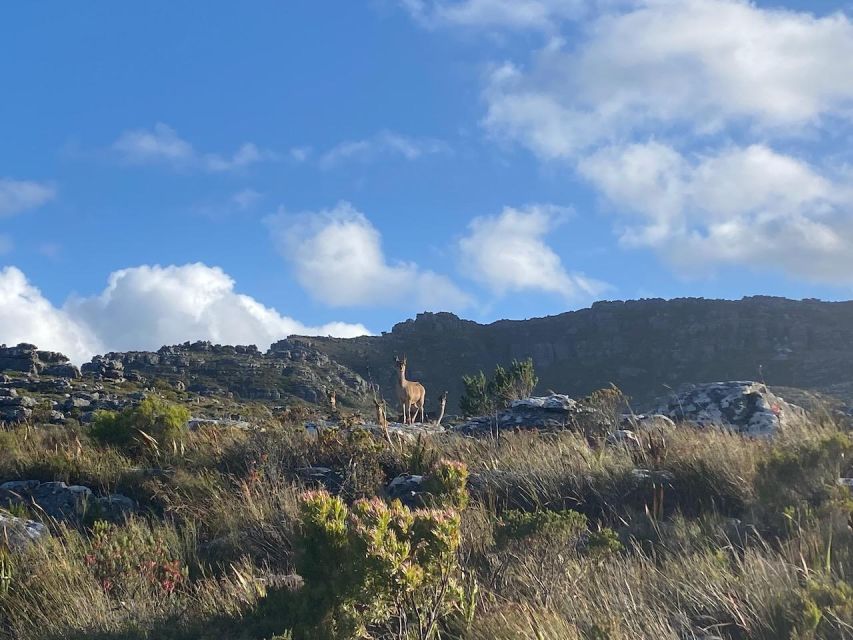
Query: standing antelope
pixel 410 393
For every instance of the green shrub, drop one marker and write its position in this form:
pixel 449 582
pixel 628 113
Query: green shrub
pixel 827 610
pixel 483 396
pixel 800 476
pixel 475 399
pixel 602 543
pixel 154 425
pixel 559 527
pixel 514 383
pixel 447 483
pixel 376 566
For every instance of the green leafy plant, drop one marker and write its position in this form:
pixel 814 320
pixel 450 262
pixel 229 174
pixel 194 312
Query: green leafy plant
pixel 447 483
pixel 377 567
pixel 475 400
pixel 562 527
pixel 153 426
pixel 483 396
pixel 796 478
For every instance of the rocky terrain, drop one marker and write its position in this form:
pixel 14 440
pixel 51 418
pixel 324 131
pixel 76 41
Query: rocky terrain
pixel 643 346
pixel 288 370
pixel 189 508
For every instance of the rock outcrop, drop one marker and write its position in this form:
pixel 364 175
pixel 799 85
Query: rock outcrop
pixel 289 369
pixel 743 406
pixel 28 359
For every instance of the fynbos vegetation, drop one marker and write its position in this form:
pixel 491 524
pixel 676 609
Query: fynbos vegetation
pixel 312 523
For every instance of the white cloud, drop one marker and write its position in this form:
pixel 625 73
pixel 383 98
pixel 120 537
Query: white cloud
pixel 149 306
pixel 20 195
pixel 383 144
pixel 338 259
pixel 740 206
pixel 508 253
pixel 27 316
pixel 699 65
pixel 144 308
pixel 493 14
pixel 163 145
pixel 705 86
pixel 246 199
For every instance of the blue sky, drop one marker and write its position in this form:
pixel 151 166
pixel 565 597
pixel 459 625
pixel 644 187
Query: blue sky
pixel 236 171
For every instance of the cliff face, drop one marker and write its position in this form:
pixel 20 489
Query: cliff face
pixel 642 346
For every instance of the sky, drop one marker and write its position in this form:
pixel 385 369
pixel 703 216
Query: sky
pixel 242 171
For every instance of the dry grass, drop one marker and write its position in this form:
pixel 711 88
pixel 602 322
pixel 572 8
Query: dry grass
pixel 715 566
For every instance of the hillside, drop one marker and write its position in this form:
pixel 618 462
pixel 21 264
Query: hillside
pixel 642 346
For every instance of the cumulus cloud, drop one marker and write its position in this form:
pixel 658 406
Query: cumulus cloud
pixel 741 205
pixel 697 64
pixel 144 308
pixel 383 144
pixel 673 110
pixel 17 196
pixel 162 145
pixel 338 259
pixel 27 316
pixel 508 252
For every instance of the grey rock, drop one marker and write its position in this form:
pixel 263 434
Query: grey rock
pixel 743 406
pixel 64 502
pixel 553 412
pixel 407 489
pixel 76 403
pixel 62 370
pixel 644 422
pixel 19 533
pixel 328 478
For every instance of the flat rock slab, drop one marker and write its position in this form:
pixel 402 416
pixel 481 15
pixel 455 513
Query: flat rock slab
pixel 553 412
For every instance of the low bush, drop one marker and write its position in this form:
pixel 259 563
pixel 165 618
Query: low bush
pixel 153 427
pixel 377 568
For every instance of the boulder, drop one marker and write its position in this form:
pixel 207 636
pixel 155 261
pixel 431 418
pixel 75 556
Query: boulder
pixel 64 502
pixel 743 406
pixel 553 412
pixel 19 533
pixel 324 476
pixel 15 408
pixel 62 370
